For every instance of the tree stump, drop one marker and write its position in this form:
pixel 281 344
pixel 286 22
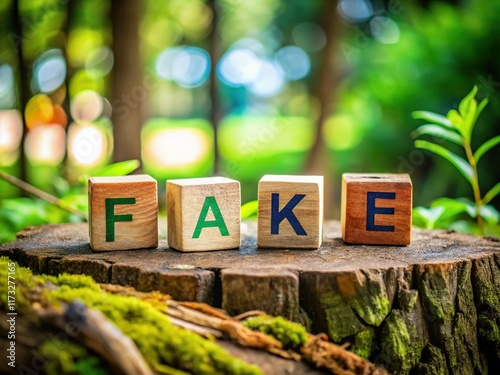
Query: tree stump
pixel 429 308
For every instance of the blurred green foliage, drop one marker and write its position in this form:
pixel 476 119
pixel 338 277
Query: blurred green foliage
pixel 441 52
pixel 19 213
pixel 457 129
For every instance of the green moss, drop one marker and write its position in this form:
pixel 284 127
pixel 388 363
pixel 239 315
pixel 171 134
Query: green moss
pixel 432 362
pixel 371 303
pixel 70 358
pixel 363 343
pixel 291 335
pixel 164 346
pixel 436 296
pixel 372 310
pixel 341 319
pixel 73 281
pixel 160 342
pixel 396 346
pixel 408 299
pixel 23 280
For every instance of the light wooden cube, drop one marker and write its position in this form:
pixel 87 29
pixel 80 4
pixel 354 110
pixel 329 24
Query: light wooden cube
pixel 376 208
pixel 203 214
pixel 123 213
pixel 290 212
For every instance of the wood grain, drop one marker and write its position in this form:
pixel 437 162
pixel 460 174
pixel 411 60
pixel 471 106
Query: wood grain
pixel 308 211
pixel 186 199
pixel 388 192
pixel 142 231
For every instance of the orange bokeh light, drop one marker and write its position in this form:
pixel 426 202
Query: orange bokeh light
pixel 38 111
pixel 59 116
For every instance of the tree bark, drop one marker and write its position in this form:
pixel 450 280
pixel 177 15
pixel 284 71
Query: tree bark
pixel 128 90
pixel 431 307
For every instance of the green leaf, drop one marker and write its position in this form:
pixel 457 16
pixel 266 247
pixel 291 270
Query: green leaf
pixel 121 168
pixel 485 147
pixel 249 210
pixel 438 131
pixel 468 111
pixel 464 226
pixel 490 214
pixel 427 217
pixel 470 206
pixel 435 118
pixel 481 106
pixel 464 106
pixel 454 159
pixel 451 207
pixel 470 120
pixel 456 120
pixel 491 194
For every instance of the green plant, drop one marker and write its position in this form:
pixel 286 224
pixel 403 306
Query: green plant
pixel 72 206
pixel 456 128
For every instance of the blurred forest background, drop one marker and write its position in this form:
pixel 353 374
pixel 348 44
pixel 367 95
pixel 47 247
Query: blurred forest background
pixel 237 88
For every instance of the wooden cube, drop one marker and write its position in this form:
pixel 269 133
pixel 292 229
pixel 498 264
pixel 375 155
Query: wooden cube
pixel 376 208
pixel 123 213
pixel 203 214
pixel 290 212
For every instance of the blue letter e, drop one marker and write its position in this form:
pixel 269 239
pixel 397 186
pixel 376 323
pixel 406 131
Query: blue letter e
pixel 371 211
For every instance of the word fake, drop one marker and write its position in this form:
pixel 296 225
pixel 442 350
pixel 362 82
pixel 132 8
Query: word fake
pixel 203 214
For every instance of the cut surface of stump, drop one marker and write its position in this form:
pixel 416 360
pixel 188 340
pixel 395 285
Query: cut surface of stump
pixel 432 307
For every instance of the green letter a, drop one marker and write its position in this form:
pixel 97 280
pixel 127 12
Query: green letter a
pixel 210 203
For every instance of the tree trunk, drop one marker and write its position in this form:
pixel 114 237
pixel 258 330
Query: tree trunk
pixel 24 88
pixel 214 82
pixel 317 161
pixel 428 308
pixel 128 90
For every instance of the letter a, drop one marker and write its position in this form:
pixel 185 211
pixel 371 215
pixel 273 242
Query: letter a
pixel 210 203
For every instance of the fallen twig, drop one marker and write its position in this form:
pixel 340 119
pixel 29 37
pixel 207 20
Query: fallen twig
pixel 41 194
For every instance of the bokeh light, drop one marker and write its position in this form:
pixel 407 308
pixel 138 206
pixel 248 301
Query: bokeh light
pixel 86 106
pixel 189 67
pixel 294 62
pixel 49 71
pixel 86 80
pixel 177 148
pixel 45 145
pixel 174 148
pixel 38 111
pixel 7 89
pixel 309 36
pixel 11 132
pixel 384 29
pixel 355 10
pixel 100 61
pixel 60 117
pixel 87 145
pixel 82 42
pixel 238 67
pixel 270 80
